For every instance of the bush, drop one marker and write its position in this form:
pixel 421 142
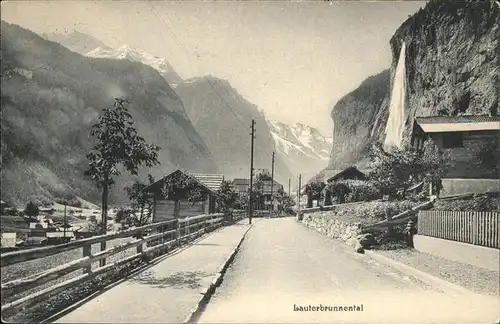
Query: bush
pixel 361 191
pixel 370 212
pixel 31 209
pixel 477 203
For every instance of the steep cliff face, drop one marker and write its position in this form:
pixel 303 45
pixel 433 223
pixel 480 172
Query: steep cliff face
pixel 452 58
pixel 452 68
pixel 358 120
pixel 50 98
pixel 223 118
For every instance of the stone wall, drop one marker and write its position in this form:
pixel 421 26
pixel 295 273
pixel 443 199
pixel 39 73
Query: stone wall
pixel 328 224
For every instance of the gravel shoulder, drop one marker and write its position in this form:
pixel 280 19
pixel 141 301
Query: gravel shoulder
pixel 476 279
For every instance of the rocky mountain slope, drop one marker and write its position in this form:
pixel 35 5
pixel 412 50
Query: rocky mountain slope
pixel 452 68
pixel 303 147
pixel 91 47
pixel 50 98
pixel 223 119
pixel 75 41
pixel 126 52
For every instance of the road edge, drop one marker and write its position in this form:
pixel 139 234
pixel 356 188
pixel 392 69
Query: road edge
pixel 207 293
pixel 425 277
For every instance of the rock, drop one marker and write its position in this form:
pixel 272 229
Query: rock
pixel 359 248
pixel 366 240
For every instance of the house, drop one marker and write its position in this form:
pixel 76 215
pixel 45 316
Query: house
pixel 265 188
pixel 350 173
pixel 175 203
pixel 462 137
pixel 241 185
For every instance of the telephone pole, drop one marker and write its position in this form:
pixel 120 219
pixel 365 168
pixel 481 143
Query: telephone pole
pixel 272 184
pixel 250 207
pixel 298 195
pixel 289 184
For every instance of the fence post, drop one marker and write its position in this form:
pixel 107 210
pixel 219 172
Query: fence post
pixel 178 234
pixel 87 252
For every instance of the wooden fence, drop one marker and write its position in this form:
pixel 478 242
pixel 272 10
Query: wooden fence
pixel 478 228
pixel 150 241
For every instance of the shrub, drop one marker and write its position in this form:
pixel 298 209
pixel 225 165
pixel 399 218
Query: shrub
pixel 370 212
pixel 361 191
pixel 31 209
pixel 477 203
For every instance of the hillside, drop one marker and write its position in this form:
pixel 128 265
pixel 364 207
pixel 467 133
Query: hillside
pixel 452 68
pixel 223 119
pixel 302 147
pixel 50 98
pixel 75 41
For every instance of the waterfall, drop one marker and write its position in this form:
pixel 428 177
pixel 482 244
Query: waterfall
pixel 397 108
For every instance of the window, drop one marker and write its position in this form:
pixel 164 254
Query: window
pixel 453 140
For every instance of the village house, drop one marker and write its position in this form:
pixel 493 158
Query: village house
pixel 176 204
pixel 463 137
pixel 349 173
pixel 265 188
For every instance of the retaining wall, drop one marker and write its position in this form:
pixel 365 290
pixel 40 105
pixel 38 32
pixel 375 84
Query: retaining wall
pixel 328 225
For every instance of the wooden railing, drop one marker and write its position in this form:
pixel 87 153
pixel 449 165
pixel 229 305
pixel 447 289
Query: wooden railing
pixel 149 240
pixel 479 228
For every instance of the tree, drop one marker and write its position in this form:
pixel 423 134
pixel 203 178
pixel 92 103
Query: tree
pixel 141 202
pixel 181 185
pixel 313 190
pixel 487 156
pixel 396 169
pixel 117 144
pixel 226 197
pixel 242 201
pixel 31 210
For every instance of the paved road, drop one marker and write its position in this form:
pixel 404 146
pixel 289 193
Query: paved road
pixel 282 264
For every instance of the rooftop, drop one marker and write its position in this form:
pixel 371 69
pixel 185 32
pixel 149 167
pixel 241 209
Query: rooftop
pixel 435 124
pixel 211 181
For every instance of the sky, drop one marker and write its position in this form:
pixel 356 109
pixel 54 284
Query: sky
pixel 293 59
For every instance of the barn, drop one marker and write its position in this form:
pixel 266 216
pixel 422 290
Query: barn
pixel 171 195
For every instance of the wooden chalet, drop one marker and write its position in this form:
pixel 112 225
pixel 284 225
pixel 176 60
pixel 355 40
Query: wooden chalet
pixel 350 173
pixel 175 203
pixel 461 135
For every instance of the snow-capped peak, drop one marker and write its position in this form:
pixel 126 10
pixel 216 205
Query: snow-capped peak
pixel 132 54
pixel 303 139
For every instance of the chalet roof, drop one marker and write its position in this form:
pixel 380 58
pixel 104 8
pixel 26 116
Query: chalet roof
pixel 350 171
pixel 438 124
pixel 211 181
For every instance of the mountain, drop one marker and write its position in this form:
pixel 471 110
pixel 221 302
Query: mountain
pixel 452 68
pixel 92 47
pixel 223 118
pixel 129 53
pixel 50 98
pixel 76 41
pixel 303 147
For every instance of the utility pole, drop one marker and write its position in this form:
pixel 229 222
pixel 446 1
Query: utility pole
pixel 272 184
pixel 298 195
pixel 289 185
pixel 64 222
pixel 250 207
